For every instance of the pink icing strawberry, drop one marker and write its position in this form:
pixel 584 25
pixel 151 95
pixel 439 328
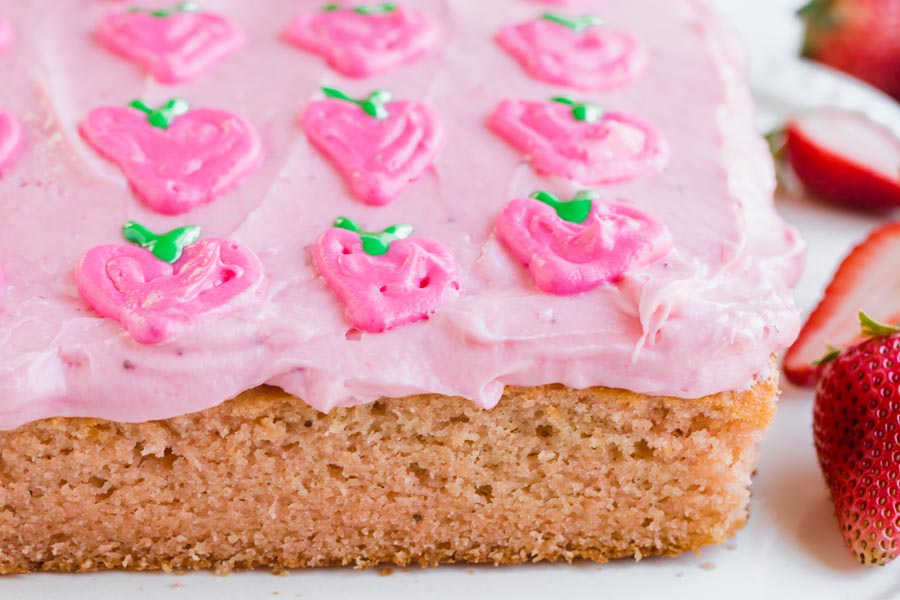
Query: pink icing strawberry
pixel 156 299
pixel 173 45
pixel 380 147
pixel 365 40
pixel 572 247
pixel 581 142
pixel 575 52
pixel 7 33
pixel 386 279
pixel 10 139
pixel 175 159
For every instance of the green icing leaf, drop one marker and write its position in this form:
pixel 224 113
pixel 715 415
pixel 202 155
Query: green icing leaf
pixel 164 115
pixel 576 210
pixel 588 112
pixel 373 105
pixel 577 24
pixel 168 246
pixel 375 243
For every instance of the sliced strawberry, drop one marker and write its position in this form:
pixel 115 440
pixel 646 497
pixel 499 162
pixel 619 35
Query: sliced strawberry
pixel 868 280
pixel 845 157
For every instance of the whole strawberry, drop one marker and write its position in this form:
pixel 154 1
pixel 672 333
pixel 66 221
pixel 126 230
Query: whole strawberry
pixel 856 425
pixel 859 37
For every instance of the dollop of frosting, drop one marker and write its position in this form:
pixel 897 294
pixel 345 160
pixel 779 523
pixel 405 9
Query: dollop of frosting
pixel 10 139
pixel 599 148
pixel 386 284
pixel 573 247
pixel 172 45
pixel 7 34
pixel 365 40
pixel 575 52
pixel 175 163
pixel 155 300
pixel 380 147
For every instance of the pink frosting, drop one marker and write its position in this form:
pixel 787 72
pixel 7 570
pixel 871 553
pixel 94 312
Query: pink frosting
pixel 154 300
pixel 7 33
pixel 362 45
pixel 379 158
pixel 616 148
pixel 10 139
pixel 172 49
pixel 415 278
pixel 570 258
pixel 595 58
pixel 197 158
pixel 704 319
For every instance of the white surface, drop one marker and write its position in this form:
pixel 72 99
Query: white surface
pixel 790 549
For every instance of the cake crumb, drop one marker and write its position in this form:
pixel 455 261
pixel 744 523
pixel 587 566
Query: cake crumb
pixel 175 585
pixel 731 546
pixel 387 571
pixel 708 566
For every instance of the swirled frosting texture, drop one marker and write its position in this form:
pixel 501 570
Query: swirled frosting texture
pixel 704 319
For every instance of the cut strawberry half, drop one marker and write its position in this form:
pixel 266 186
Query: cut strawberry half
pixel 868 280
pixel 845 157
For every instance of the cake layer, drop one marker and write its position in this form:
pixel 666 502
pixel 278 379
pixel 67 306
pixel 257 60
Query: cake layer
pixel 702 320
pixel 264 480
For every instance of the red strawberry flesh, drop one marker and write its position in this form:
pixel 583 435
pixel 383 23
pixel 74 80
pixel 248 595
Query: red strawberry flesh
pixel 846 157
pixel 868 280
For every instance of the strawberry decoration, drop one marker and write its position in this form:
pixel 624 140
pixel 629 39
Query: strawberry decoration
pixel 386 279
pixel 575 246
pixel 165 284
pixel 867 280
pixel 580 141
pixel 365 40
pixel 10 139
pixel 175 159
pixel 380 147
pixel 845 157
pixel 856 426
pixel 574 51
pixel 7 33
pixel 174 45
pixel 859 37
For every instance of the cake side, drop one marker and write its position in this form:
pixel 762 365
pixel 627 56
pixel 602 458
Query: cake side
pixel 264 480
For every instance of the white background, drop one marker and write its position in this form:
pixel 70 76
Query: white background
pixel 790 549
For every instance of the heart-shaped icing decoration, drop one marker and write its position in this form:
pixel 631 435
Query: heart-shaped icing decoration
pixel 363 41
pixel 579 141
pixel 574 52
pixel 156 301
pixel 10 139
pixel 172 45
pixel 180 162
pixel 574 247
pixel 379 147
pixel 7 34
pixel 386 279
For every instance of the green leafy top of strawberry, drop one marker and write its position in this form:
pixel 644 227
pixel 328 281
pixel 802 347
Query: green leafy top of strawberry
pixel 870 329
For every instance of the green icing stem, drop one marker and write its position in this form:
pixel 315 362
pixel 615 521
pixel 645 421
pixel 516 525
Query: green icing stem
pixel 375 243
pixel 168 12
pixel 576 24
pixel 576 210
pixel 373 105
pixel 164 115
pixel 167 247
pixel 377 9
pixel 588 112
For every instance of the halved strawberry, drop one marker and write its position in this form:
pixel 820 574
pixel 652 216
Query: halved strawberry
pixel 846 157
pixel 868 280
